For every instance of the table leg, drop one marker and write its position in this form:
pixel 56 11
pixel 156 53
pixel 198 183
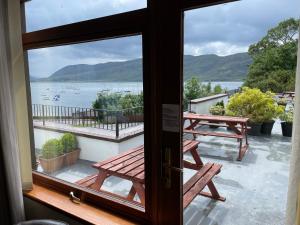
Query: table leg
pixel 140 190
pixel 131 193
pixel 99 180
pixel 197 158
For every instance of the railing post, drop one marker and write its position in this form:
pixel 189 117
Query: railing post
pixel 43 113
pixel 117 125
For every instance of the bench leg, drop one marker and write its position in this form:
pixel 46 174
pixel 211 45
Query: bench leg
pixel 99 180
pixel 140 190
pixel 214 194
pixel 131 193
pixel 242 150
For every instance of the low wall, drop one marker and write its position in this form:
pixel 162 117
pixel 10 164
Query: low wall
pixel 202 105
pixel 92 149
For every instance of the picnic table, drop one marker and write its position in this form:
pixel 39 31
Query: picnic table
pixel 237 124
pixel 130 166
pixel 287 94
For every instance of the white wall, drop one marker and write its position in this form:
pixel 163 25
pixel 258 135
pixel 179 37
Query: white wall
pixel 202 107
pixel 91 149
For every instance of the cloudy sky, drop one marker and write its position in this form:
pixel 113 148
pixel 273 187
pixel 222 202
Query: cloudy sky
pixel 222 30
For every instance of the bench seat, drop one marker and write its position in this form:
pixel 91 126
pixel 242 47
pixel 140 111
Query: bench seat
pixel 217 134
pixel 197 183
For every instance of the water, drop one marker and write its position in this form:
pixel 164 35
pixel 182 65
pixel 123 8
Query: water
pixel 83 94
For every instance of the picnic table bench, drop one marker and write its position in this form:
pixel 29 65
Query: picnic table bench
pixel 130 166
pixel 237 124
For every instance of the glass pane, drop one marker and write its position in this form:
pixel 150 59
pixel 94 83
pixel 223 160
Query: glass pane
pixel 87 105
pixel 41 14
pixel 245 43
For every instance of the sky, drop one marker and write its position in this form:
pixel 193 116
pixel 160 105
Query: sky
pixel 223 30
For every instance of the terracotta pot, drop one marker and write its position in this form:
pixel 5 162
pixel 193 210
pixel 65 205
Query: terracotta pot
pixel 52 165
pixel 71 157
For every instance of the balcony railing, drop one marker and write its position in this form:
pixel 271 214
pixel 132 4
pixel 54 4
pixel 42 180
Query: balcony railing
pixel 113 120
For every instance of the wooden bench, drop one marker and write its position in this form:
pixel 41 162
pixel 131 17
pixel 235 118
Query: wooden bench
pixel 217 134
pixel 199 181
pixel 238 126
pixel 130 166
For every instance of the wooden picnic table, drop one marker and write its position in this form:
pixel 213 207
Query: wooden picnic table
pixel 130 166
pixel 237 124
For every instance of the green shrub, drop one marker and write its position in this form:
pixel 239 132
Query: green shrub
pixel 69 142
pixel 252 103
pixel 52 148
pixel 218 89
pixel 221 103
pixel 193 89
pixel 217 110
pixel 282 101
pixel 287 116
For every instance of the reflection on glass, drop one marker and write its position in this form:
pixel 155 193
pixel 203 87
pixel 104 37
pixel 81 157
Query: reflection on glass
pixel 41 14
pixel 87 105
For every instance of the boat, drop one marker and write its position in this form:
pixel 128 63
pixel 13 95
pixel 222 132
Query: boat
pixel 56 98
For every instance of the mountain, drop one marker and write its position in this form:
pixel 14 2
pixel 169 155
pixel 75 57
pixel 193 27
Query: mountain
pixel 206 67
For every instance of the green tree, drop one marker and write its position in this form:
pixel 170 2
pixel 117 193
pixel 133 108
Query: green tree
pixel 218 89
pixel 275 59
pixel 194 89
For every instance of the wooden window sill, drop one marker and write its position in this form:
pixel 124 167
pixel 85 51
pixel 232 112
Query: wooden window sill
pixel 82 211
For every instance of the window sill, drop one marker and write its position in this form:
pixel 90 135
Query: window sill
pixel 82 211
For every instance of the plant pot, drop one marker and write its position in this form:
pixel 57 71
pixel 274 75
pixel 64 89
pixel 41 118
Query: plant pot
pixel 283 104
pixel 71 157
pixel 287 129
pixel 255 129
pixel 52 165
pixel 267 127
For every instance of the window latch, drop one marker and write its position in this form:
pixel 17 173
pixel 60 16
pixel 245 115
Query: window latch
pixel 168 168
pixel 73 198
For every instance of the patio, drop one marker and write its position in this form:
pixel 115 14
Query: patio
pixel 255 188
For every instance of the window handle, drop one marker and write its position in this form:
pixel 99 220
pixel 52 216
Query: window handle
pixel 168 168
pixel 73 198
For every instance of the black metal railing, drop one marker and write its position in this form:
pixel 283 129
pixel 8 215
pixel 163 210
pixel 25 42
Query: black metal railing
pixel 114 120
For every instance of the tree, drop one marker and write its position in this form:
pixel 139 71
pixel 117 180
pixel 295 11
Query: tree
pixel 194 89
pixel 218 89
pixel 275 59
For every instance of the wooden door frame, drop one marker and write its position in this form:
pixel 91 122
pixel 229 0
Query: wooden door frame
pixel 161 26
pixel 165 37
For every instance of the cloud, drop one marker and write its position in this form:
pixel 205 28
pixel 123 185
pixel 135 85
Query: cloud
pixel 222 30
pixel 234 26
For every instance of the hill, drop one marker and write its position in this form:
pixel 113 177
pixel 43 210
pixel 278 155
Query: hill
pixel 206 67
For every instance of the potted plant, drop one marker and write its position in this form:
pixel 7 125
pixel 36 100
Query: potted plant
pixel 282 101
pixel 216 110
pixel 272 111
pixel 287 123
pixel 70 148
pixel 252 104
pixel 52 158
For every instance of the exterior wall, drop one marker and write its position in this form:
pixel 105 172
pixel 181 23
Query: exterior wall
pixel 91 149
pixel 202 105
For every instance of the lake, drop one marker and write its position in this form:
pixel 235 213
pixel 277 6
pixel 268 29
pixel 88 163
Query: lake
pixel 83 94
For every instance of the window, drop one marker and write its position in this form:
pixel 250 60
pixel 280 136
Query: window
pixel 41 14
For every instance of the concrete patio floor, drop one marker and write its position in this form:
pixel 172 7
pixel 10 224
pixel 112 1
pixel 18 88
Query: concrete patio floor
pixel 255 188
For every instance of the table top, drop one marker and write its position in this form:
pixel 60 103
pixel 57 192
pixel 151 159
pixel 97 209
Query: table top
pixel 130 164
pixel 215 118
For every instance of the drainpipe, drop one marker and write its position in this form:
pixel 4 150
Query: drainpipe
pixel 294 178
